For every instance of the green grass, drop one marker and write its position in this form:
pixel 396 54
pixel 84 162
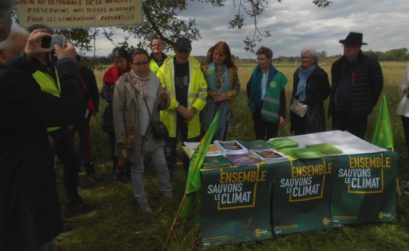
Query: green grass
pixel 118 225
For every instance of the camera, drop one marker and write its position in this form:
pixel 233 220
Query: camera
pixel 50 41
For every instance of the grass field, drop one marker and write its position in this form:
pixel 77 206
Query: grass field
pixel 118 225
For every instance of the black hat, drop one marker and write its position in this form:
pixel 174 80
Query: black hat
pixel 183 44
pixel 353 38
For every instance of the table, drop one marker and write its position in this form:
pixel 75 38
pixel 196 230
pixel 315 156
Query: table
pixel 262 201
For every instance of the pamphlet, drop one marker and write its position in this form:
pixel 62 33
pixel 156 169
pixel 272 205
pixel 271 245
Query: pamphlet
pixel 216 162
pixel 244 159
pixel 302 153
pixel 212 150
pixel 269 155
pixel 256 145
pixel 231 147
pixel 325 148
pixel 280 143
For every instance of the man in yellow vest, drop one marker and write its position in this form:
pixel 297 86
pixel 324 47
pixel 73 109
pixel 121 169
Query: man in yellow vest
pixel 157 56
pixel 183 79
pixel 45 74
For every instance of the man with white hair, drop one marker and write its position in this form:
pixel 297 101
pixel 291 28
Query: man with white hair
pixel 30 217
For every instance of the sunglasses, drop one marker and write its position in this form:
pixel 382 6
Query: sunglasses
pixel 140 63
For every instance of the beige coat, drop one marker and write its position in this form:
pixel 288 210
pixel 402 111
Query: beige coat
pixel 126 113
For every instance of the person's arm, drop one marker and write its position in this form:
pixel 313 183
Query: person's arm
pixel 93 88
pixel 31 106
pixel 107 91
pixel 235 88
pixel 118 110
pixel 201 98
pixel 375 80
pixel 324 85
pixel 248 88
pixel 282 103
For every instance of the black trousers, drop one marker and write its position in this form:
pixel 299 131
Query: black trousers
pixel 405 125
pixel 63 147
pixel 354 123
pixel 171 145
pixel 264 130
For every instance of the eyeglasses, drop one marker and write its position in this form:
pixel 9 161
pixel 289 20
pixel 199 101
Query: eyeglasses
pixel 140 63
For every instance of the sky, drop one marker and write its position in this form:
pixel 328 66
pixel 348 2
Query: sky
pixel 299 24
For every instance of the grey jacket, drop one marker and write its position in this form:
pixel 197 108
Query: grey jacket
pixel 128 107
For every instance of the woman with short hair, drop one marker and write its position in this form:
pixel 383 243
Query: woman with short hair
pixel 310 89
pixel 266 94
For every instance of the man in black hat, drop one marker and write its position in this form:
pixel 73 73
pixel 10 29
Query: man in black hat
pixel 183 78
pixel 357 82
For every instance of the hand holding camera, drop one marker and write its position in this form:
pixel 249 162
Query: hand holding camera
pixel 41 41
pixel 67 52
pixel 33 46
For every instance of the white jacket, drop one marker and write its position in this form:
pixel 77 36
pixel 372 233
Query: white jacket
pixel 403 106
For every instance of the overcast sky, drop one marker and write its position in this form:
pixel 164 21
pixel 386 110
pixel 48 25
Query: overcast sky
pixel 299 24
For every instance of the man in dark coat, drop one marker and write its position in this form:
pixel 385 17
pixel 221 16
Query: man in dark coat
pixel 357 83
pixel 30 215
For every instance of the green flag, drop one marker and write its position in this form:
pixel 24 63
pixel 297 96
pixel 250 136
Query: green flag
pixel 382 135
pixel 193 182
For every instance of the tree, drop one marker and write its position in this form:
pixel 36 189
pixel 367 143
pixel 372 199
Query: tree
pixel 161 18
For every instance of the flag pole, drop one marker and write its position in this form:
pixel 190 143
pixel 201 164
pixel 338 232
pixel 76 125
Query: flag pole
pixel 174 221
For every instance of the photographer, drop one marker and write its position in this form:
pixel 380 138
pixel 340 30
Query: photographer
pixel 46 75
pixel 30 215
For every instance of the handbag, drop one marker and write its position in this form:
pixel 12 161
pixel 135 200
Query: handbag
pixel 298 107
pixel 158 128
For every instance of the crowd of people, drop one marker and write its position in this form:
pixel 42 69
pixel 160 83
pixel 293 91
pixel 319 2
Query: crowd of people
pixel 47 95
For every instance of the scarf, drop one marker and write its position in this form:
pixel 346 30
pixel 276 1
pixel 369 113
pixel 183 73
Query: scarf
pixel 143 92
pixel 212 107
pixel 255 86
pixel 303 75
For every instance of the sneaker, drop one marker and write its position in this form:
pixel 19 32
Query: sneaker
pixel 145 208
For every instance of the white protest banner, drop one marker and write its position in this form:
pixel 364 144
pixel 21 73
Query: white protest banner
pixel 79 13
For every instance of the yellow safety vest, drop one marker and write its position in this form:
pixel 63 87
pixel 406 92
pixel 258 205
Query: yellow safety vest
pixel 49 85
pixel 197 94
pixel 153 66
